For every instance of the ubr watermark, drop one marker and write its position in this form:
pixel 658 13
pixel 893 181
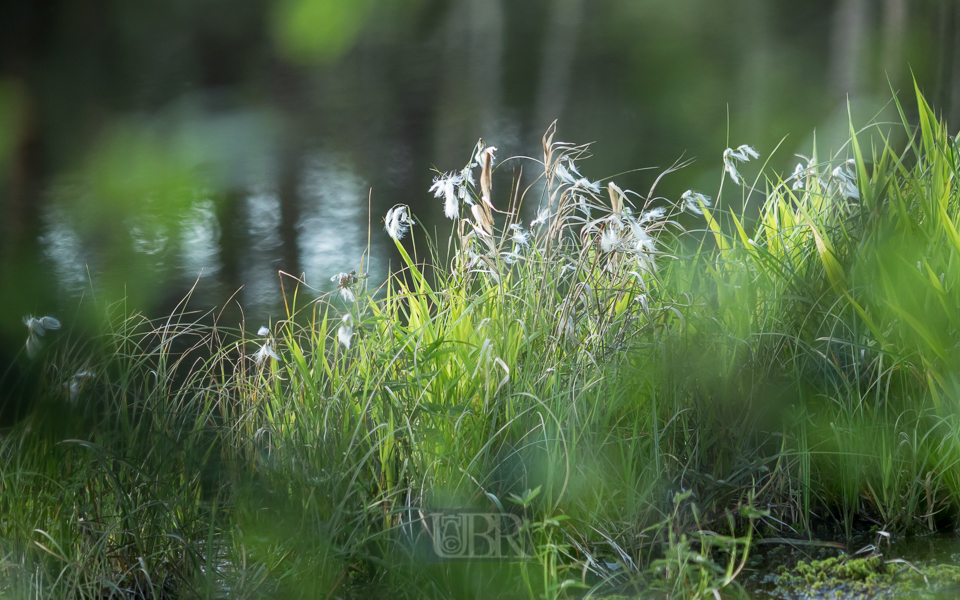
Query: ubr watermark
pixel 462 535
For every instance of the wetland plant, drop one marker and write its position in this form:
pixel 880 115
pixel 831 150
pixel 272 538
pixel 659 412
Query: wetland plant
pixel 646 401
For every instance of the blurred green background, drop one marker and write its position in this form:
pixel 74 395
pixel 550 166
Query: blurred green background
pixel 146 145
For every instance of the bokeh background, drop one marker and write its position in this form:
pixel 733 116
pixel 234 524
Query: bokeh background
pixel 149 146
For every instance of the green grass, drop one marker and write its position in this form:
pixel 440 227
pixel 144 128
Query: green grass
pixel 649 408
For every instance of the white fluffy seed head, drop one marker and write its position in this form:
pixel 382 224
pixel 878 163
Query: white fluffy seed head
pixel 448 187
pixel 33 346
pixel 345 331
pixel 730 166
pixel 693 201
pixel 543 215
pixel 799 175
pixel 747 152
pixel 42 325
pixel 265 351
pixel 398 221
pixel 743 153
pixel 609 240
pixel 519 237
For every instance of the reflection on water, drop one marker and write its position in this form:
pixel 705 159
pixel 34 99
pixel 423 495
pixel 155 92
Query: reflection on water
pixel 64 251
pixel 333 230
pixel 148 235
pixel 261 260
pixel 200 250
pixel 224 157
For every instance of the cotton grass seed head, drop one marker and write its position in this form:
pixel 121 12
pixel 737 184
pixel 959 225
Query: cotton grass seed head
pixel 566 169
pixel 42 325
pixel 655 214
pixel 846 179
pixel 345 331
pixel 743 153
pixel 345 281
pixel 609 240
pixel 746 152
pixel 398 221
pixel 446 186
pixel 644 243
pixel 265 351
pixel 76 384
pixel 37 327
pixel 519 236
pixel 264 331
pixel 34 345
pixel 563 174
pixel 692 201
pixel 543 215
pixel 799 177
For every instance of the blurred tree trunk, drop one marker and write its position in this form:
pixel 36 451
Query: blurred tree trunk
pixel 560 46
pixel 470 97
pixel 894 20
pixel 756 63
pixel 21 198
pixel 231 216
pixel 486 57
pixel 289 195
pixel 847 47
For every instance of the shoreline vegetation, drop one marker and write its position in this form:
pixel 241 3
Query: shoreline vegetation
pixel 649 402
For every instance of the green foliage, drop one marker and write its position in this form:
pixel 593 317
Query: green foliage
pixel 624 393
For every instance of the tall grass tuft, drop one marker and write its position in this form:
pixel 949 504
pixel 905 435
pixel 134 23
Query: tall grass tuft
pixel 650 402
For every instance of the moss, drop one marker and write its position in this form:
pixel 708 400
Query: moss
pixel 862 578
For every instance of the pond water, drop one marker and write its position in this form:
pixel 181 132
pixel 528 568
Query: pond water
pixel 151 147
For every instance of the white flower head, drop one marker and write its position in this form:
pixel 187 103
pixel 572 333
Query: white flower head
pixel 587 185
pixel 543 215
pixel 746 152
pixel 345 331
pixel 484 151
pixel 266 350
pixel 743 153
pixel 398 221
pixel 42 325
pixel 692 201
pixel 478 154
pixel 847 180
pixel 519 237
pixel 642 238
pixel 264 331
pixel 609 239
pixel 466 182
pixel 654 214
pixel 345 281
pixel 76 384
pixel 467 176
pixel 799 177
pixel 34 345
pixel 561 172
pixel 445 186
pixel 37 328
pixel 568 173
